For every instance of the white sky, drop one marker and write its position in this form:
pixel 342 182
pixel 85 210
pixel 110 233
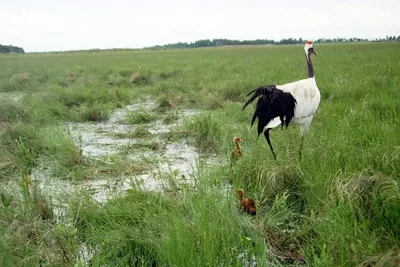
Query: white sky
pixel 53 25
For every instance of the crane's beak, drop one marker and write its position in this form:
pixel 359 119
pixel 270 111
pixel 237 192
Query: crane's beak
pixel 313 51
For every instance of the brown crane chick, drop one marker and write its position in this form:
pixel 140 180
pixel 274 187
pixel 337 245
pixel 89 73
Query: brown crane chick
pixel 247 204
pixel 236 152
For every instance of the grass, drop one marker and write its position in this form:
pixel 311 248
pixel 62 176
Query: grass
pixel 338 206
pixel 140 117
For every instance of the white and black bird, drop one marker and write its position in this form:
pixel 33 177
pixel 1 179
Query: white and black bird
pixel 290 104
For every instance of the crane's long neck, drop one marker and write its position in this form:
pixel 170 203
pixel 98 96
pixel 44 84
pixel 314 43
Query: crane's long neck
pixel 240 194
pixel 310 66
pixel 237 146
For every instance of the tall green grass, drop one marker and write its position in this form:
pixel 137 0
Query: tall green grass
pixel 338 206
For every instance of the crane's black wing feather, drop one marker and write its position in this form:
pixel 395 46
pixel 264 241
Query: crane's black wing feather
pixel 272 102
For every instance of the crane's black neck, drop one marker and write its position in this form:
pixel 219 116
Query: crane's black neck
pixel 310 66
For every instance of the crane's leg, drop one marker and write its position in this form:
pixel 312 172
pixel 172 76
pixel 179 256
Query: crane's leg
pixel 266 134
pixel 303 131
pixel 301 146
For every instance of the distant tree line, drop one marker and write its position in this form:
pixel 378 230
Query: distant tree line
pixel 11 49
pixel 225 42
pixel 221 42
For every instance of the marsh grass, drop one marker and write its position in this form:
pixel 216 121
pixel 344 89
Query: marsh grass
pixel 206 132
pixel 140 117
pixel 139 132
pixel 338 206
pixel 28 226
pixel 164 103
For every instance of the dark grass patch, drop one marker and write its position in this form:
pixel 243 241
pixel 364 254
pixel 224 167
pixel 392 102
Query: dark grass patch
pixel 169 74
pixel 139 79
pixel 95 113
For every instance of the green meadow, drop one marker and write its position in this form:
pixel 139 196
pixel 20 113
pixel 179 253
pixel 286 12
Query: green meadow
pixel 337 206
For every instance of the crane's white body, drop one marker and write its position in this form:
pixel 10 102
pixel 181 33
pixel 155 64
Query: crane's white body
pixel 307 97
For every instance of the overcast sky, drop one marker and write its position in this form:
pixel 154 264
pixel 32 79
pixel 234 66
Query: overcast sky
pixel 53 25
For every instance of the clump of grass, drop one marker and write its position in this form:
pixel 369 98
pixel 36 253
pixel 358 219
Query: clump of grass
pixel 125 73
pixel 279 180
pixel 28 231
pixel 373 198
pixel 232 92
pixel 24 139
pixel 93 104
pixel 114 81
pixel 7 162
pixel 20 138
pixel 95 113
pixel 206 131
pixel 17 82
pixel 139 79
pixel 139 132
pixel 137 215
pixel 140 117
pixel 12 111
pixel 42 206
pixel 62 154
pixel 384 111
pixel 169 74
pixel 189 225
pixel 43 78
pixel 22 79
pixel 25 142
pixel 284 231
pixel 170 118
pixel 119 97
pixel 210 102
pixel 390 258
pixel 69 79
pixel 164 104
pixel 72 98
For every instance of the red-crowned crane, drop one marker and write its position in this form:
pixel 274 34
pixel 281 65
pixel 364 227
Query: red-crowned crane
pixel 236 152
pixel 246 204
pixel 290 104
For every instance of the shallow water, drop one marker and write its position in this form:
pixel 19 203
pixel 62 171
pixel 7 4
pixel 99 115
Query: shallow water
pixel 176 161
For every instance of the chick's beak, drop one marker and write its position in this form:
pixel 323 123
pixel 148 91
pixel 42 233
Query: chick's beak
pixel 313 51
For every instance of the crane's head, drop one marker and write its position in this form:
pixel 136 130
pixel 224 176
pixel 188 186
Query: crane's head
pixel 309 48
pixel 240 193
pixel 237 140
